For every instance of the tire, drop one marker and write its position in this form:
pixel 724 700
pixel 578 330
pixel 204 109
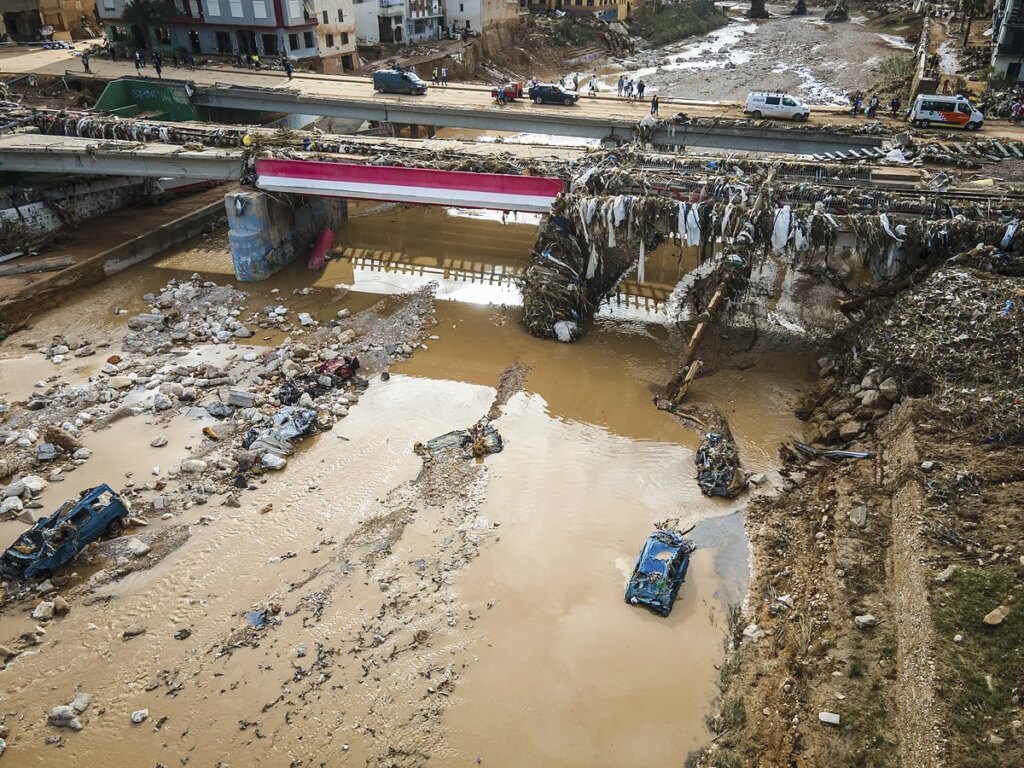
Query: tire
pixel 538 100
pixel 115 527
pixel 973 126
pixel 569 102
pixel 380 89
pixel 920 123
pixel 756 114
pixel 800 118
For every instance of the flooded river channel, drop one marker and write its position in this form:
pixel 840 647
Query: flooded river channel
pixel 521 652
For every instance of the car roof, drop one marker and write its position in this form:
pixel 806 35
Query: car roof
pixel 659 551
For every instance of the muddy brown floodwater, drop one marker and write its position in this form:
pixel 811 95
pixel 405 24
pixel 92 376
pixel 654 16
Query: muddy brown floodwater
pixel 531 655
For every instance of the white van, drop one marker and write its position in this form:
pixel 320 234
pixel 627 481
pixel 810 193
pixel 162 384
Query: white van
pixel 780 105
pixel 955 111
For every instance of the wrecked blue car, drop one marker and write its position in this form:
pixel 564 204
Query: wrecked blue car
pixel 660 571
pixel 56 540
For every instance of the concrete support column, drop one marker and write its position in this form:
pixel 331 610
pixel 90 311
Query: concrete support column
pixel 266 233
pixel 414 131
pixel 431 131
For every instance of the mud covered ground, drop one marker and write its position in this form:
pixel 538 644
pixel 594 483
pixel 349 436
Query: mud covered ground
pixel 819 62
pixel 364 603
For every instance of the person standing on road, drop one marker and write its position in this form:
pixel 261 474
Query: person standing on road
pixel 158 67
pixel 113 51
pixel 288 68
pixel 175 60
pixel 433 76
pixel 501 94
pixel 256 61
pixel 190 61
pixel 629 89
pixel 640 90
pixel 444 76
pixel 576 81
pixel 85 62
pixel 138 60
pixel 654 105
pixel 621 85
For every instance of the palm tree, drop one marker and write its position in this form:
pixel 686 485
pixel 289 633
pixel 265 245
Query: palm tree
pixel 757 10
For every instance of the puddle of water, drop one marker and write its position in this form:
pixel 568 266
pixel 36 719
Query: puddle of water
pixel 897 41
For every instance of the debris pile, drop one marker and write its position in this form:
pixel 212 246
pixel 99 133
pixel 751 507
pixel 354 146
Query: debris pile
pixel 838 12
pixel 718 466
pixel 957 337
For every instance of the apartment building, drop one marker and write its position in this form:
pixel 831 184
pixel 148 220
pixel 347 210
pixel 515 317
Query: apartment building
pixel 316 32
pixel 398 21
pixel 609 10
pixel 1007 39
pixel 27 20
pixel 478 15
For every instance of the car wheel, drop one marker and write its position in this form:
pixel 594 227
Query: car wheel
pixel 115 527
pixel 800 118
pixel 380 89
pixel 569 102
pixel 973 126
pixel 538 100
pixel 756 114
pixel 920 123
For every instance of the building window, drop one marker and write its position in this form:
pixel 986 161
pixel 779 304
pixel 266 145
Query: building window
pixel 108 5
pixel 163 36
pixel 295 9
pixel 344 38
pixel 293 42
pixel 329 40
pixel 213 7
pixel 341 15
pixel 223 42
pixel 462 8
pixel 325 18
pixel 308 37
pixel 259 9
pixel 269 44
pixel 236 8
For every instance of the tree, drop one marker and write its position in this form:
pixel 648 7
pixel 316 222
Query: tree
pixel 757 10
pixel 972 9
pixel 148 15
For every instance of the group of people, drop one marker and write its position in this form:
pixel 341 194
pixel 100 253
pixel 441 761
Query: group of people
pixel 1017 111
pixel 874 104
pixel 439 75
pixel 631 89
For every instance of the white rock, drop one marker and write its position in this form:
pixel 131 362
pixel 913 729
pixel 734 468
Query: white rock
pixel 272 461
pixel 193 466
pixel 865 621
pixel 137 547
pixel 81 702
pixel 140 716
pixel 43 611
pixel 306 319
pixel 11 506
pixel 946 575
pixel 830 718
pixel 120 382
pixel 65 717
pixel 81 454
pixel 158 442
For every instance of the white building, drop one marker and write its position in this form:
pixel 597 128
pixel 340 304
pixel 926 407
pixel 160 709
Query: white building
pixel 478 15
pixel 1007 39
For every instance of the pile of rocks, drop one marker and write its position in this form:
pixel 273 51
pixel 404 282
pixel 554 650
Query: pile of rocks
pixel 844 419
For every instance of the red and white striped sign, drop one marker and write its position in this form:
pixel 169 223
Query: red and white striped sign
pixel 462 189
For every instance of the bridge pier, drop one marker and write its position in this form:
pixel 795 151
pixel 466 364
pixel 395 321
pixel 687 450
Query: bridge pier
pixel 265 233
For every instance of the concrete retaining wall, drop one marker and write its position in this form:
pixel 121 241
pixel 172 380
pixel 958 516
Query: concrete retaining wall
pixel 266 233
pixel 50 210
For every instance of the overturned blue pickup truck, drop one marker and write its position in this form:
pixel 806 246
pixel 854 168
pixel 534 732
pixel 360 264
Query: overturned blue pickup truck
pixel 56 540
pixel 660 570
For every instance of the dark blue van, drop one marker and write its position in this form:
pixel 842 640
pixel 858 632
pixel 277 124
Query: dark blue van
pixel 56 540
pixel 398 81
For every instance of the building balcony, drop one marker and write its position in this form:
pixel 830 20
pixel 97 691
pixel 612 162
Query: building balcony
pixel 392 7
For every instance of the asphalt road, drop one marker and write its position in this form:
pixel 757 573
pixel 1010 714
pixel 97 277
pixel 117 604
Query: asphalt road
pixel 466 95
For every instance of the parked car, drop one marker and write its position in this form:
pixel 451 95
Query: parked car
pixel 780 105
pixel 553 93
pixel 660 570
pixel 955 111
pixel 398 81
pixel 56 540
